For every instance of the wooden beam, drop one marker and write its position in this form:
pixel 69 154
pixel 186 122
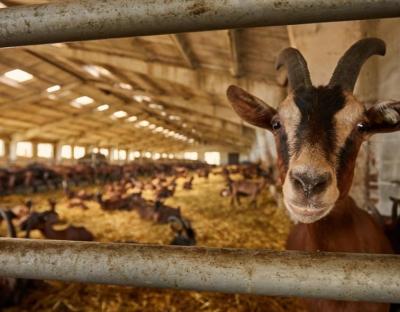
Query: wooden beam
pixel 236 68
pixel 184 49
pixel 202 80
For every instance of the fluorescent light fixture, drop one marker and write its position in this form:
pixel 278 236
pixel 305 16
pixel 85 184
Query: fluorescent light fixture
pixel 54 88
pixel 152 126
pixel 141 98
pixel 159 129
pixel 132 119
pixel 82 101
pixel 143 123
pixel 18 75
pixel 58 45
pixel 103 107
pixel 125 86
pixel 120 114
pixel 156 106
pixel 96 71
pixel 174 117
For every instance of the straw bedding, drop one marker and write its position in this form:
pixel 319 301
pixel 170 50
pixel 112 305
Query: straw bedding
pixel 217 225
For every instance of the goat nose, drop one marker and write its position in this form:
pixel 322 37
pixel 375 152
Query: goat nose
pixel 310 183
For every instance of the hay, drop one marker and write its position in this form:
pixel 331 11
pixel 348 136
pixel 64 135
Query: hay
pixel 216 224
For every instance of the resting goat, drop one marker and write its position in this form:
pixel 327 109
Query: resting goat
pixel 44 222
pixel 318 132
pixel 184 233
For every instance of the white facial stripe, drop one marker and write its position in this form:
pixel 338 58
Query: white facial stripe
pixel 290 116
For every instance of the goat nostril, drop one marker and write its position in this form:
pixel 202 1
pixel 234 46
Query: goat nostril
pixel 310 184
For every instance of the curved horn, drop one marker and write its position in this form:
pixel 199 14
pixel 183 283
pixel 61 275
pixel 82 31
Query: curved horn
pixel 349 66
pixel 297 70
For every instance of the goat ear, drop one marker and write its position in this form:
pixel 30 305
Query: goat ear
pixel 250 108
pixel 383 117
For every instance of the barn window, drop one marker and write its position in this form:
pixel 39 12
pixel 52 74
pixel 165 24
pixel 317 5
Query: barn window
pixel 212 158
pixel 79 152
pixel 156 156
pixel 24 149
pixel 45 150
pixel 147 154
pixel 66 151
pixel 104 151
pixel 114 154
pixel 191 155
pixel 122 155
pixel 2 148
pixel 133 155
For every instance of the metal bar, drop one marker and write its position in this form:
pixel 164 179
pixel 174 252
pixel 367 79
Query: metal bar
pixel 92 19
pixel 374 278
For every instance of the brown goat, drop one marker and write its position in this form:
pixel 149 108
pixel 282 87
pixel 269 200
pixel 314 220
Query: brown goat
pixel 44 222
pixel 318 133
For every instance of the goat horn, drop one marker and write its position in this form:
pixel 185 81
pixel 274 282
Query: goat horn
pixel 297 70
pixel 349 65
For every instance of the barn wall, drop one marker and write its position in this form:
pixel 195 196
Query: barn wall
pixel 387 146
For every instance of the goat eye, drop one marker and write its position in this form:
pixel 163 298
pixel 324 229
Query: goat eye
pixel 362 127
pixel 276 125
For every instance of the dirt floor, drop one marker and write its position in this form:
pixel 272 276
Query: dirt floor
pixel 217 225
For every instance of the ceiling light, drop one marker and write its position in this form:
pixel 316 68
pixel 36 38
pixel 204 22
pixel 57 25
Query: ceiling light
pixel 120 114
pixel 141 98
pixel 174 117
pixel 152 126
pixel 191 141
pixel 163 114
pixel 96 71
pixel 82 101
pixel 125 86
pixel 143 123
pixel 159 129
pixel 18 75
pixel 54 88
pixel 132 119
pixel 58 45
pixel 103 107
pixel 156 106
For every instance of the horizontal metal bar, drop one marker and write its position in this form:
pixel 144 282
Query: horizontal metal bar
pixel 373 278
pixel 93 19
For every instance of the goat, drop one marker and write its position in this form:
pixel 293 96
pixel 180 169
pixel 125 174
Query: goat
pixel 188 184
pixel 318 133
pixel 44 222
pixel 243 188
pixel 11 289
pixel 163 212
pixel 184 233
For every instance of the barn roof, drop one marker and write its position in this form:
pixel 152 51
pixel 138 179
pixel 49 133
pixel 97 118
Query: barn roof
pixel 158 93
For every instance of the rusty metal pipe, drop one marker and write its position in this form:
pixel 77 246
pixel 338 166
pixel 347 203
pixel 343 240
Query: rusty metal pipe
pixel 93 19
pixel 373 278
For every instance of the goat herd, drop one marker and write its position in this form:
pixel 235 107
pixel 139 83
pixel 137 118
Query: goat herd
pixel 120 189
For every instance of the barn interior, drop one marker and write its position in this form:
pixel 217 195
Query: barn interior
pixel 78 118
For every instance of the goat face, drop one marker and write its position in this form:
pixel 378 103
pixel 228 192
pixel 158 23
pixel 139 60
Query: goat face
pixel 318 131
